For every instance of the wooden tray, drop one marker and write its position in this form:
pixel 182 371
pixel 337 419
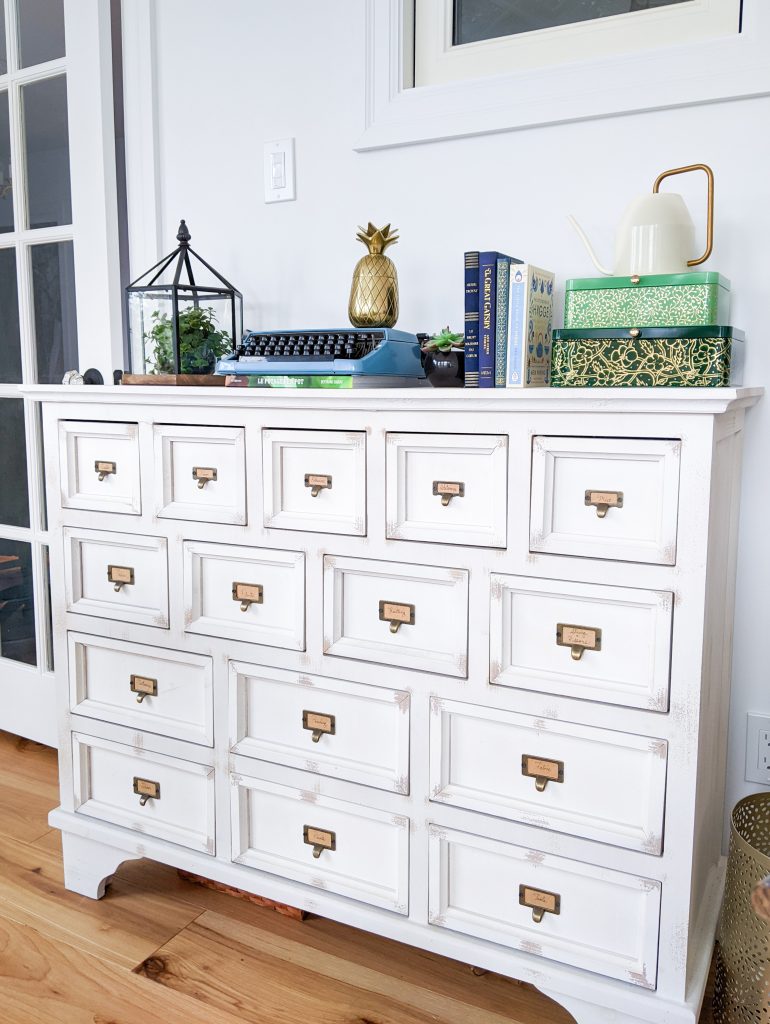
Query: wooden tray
pixel 171 380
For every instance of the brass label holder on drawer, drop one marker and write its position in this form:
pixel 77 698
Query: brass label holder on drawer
pixel 204 474
pixel 248 594
pixel 448 489
pixel 578 638
pixel 604 500
pixel 396 614
pixel 144 686
pixel 539 901
pixel 105 469
pixel 320 839
pixel 319 724
pixel 146 790
pixel 120 575
pixel 542 769
pixel 317 482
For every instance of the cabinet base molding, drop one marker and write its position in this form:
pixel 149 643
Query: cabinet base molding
pixel 242 894
pixel 90 865
pixel 590 1013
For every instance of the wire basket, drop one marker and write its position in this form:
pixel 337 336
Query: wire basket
pixel 742 991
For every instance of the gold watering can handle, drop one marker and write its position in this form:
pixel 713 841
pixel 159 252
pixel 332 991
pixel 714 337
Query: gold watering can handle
pixel 710 218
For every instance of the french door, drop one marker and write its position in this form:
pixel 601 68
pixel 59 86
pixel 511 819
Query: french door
pixel 59 296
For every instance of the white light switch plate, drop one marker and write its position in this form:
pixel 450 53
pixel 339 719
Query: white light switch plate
pixel 279 171
pixel 758 749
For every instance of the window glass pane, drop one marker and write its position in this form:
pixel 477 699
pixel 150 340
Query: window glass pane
pixel 48 156
pixel 17 602
pixel 14 500
pixel 3 51
pixel 10 342
pixel 41 31
pixel 487 19
pixel 47 650
pixel 6 185
pixel 53 300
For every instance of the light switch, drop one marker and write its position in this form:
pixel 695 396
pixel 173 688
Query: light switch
pixel 279 171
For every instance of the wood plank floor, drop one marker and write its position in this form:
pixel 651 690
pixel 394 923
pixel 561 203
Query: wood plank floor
pixel 157 948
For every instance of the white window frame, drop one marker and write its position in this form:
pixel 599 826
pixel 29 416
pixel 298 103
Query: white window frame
pixel 395 114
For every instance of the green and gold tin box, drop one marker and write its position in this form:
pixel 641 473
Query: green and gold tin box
pixel 672 299
pixel 671 357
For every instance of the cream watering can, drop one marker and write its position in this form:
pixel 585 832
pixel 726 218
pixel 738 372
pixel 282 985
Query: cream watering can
pixel 656 234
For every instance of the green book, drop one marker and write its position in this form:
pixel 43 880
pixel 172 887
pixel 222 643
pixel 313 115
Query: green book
pixel 258 380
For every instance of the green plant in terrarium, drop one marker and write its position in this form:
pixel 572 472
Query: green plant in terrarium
pixel 444 341
pixel 201 341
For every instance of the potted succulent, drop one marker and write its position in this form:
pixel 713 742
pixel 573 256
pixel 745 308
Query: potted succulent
pixel 444 359
pixel 201 341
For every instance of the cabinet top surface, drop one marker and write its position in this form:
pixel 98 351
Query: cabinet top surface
pixel 708 401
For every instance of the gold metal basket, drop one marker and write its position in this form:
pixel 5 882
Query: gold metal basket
pixel 742 991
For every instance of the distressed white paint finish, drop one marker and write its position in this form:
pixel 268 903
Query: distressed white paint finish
pixel 83 447
pixel 179 451
pixel 296 460
pixel 698 588
pixel 478 463
pixel 369 743
pixel 103 781
pixel 613 786
pixel 100 672
pixel 645 472
pixel 371 856
pixel 632 667
pixel 437 640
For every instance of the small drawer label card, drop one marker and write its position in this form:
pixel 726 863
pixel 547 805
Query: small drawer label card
pixel 539 899
pixel 251 592
pixel 120 574
pixel 105 468
pixel 587 637
pixel 455 489
pixel 542 768
pixel 204 473
pixel 319 723
pixel 319 838
pixel 147 788
pixel 318 480
pixel 145 685
pixel 392 612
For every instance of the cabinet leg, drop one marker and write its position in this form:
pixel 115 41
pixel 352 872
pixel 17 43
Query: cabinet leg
pixel 90 865
pixel 589 1013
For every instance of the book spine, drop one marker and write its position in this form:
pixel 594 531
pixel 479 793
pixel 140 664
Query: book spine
pixel 487 282
pixel 517 314
pixel 501 321
pixel 471 319
pixel 540 324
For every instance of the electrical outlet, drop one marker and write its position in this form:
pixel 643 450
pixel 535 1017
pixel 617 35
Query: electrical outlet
pixel 758 749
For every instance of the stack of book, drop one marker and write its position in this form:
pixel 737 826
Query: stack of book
pixel 508 322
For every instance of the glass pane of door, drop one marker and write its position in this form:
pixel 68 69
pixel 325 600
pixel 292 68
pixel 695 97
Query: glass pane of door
pixel 44 104
pixel 41 31
pixel 17 602
pixel 14 499
pixel 6 182
pixel 10 340
pixel 53 299
pixel 3 50
pixel 475 20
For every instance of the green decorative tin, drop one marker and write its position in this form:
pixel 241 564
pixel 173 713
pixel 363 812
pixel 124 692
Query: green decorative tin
pixel 673 357
pixel 671 299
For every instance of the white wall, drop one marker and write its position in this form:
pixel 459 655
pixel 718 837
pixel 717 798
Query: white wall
pixel 234 73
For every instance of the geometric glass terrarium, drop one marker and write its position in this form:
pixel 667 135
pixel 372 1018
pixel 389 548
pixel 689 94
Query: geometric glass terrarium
pixel 185 318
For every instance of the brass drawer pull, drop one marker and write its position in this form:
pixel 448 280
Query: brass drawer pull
pixel 578 638
pixel 203 474
pixel 396 614
pixel 248 594
pixel 143 686
pixel 320 839
pixel 604 500
pixel 146 790
pixel 539 901
pixel 105 469
pixel 317 483
pixel 448 489
pixel 319 724
pixel 542 769
pixel 120 575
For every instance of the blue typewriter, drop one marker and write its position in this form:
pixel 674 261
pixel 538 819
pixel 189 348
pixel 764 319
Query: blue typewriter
pixel 379 357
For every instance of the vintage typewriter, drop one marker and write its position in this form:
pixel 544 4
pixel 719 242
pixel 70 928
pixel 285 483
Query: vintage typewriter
pixel 378 357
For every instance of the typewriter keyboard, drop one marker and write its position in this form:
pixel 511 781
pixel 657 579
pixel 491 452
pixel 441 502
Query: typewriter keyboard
pixel 315 345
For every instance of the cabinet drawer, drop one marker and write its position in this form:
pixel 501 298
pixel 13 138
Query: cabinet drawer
pixel 150 793
pixel 243 593
pixel 315 480
pixel 587 782
pixel 411 616
pixel 610 644
pixel 589 917
pixel 146 688
pixel 341 847
pixel 116 576
pixel 346 730
pixel 613 497
pixel 447 488
pixel 200 473
pixel 99 466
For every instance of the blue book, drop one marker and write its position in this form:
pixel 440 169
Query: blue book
pixel 471 319
pixel 501 321
pixel 487 310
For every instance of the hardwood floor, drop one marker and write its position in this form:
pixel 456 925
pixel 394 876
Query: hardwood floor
pixel 158 948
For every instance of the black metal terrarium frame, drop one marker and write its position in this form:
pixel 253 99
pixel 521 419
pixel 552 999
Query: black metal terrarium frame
pixel 189 291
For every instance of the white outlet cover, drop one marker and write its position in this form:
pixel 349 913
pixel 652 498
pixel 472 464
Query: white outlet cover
pixel 758 748
pixel 280 183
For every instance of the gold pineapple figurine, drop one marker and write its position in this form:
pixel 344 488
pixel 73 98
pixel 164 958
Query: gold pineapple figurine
pixel 374 292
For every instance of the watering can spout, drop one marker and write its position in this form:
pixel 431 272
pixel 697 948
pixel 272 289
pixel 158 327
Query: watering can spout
pixel 589 247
